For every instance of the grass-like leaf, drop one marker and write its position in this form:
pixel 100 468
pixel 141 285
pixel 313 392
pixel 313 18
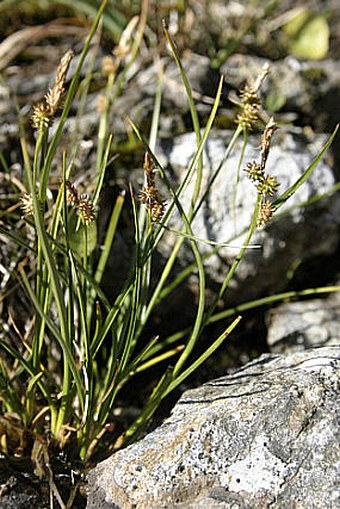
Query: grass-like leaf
pixel 281 200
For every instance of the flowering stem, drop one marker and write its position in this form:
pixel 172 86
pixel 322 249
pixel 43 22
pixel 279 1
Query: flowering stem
pixel 236 262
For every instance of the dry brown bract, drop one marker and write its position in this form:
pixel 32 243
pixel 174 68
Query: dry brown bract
pixel 44 112
pixel 150 195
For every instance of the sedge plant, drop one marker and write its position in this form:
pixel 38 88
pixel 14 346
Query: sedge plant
pixel 100 345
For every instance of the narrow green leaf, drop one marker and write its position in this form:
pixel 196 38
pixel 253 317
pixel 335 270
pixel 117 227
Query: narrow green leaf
pixel 150 408
pixel 30 370
pixel 193 112
pixel 289 192
pixel 64 344
pixel 18 241
pixel 33 381
pixel 76 236
pixel 69 98
pixel 110 233
pixel 109 321
pixel 9 394
pixel 180 378
pixel 271 299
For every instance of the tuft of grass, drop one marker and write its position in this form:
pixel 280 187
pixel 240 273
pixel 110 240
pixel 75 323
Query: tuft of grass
pixel 66 376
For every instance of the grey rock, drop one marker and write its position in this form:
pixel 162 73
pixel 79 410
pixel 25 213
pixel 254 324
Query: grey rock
pixel 17 490
pixel 291 234
pixel 307 88
pixel 40 82
pixel 265 436
pixel 299 325
pixel 138 98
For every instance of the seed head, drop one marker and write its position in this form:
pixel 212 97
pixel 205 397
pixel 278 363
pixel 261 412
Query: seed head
pixel 157 210
pixel 43 113
pixel 250 102
pixel 109 65
pixel 248 116
pixel 249 95
pixel 41 118
pixel 265 213
pixel 54 96
pixel 85 209
pixel 72 194
pixel 150 196
pixel 254 172
pixel 266 139
pixel 82 203
pixel 268 186
pixel 26 204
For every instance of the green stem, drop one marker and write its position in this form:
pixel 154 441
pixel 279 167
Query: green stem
pixel 85 260
pixel 69 98
pixel 271 299
pixel 236 262
pixel 103 123
pixel 237 179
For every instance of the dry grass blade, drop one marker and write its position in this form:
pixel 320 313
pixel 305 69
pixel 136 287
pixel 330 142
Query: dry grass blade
pixel 15 43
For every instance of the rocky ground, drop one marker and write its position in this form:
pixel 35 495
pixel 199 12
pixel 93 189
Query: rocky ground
pixel 299 250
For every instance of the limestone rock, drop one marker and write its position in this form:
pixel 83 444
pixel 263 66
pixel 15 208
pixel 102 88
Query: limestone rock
pixel 226 212
pixel 296 326
pixel 265 436
pixel 292 87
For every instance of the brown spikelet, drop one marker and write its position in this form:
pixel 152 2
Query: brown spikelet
pixel 265 213
pixel 266 139
pixel 85 209
pixel 41 118
pixel 26 205
pixel 157 210
pixel 150 196
pixel 72 194
pixel 82 203
pixel 268 185
pixel 54 96
pixel 149 170
pixel 254 172
pixel 153 201
pixel 250 102
pixel 44 112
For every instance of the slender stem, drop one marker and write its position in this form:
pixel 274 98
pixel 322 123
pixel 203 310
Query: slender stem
pixel 85 259
pixel 237 178
pixel 219 168
pixel 70 96
pixel 236 262
pixel 103 123
pixel 271 299
pixel 65 398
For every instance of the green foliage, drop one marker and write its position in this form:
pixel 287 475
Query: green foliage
pixel 114 19
pixel 76 236
pixel 102 345
pixel 308 35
